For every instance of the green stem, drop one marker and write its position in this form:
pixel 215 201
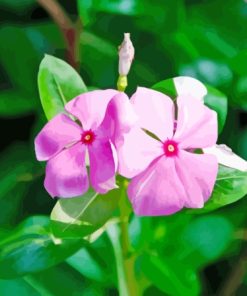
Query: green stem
pixel 128 259
pixel 125 261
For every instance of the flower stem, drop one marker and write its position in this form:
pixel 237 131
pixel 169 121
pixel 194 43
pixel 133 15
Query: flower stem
pixel 122 82
pixel 125 261
pixel 70 31
pixel 128 258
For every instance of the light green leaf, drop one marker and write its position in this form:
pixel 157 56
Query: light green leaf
pixel 58 83
pixel 170 275
pixel 204 239
pixel 31 247
pixel 81 216
pixel 95 261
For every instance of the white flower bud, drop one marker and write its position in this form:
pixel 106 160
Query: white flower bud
pixel 126 53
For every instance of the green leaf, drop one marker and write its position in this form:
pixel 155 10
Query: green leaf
pixel 31 247
pixel 170 275
pixel 99 58
pixel 118 7
pixel 22 67
pixel 167 87
pixel 17 287
pixel 15 103
pixel 81 216
pixel 209 71
pixel 97 261
pixel 15 168
pixel 58 83
pixel 239 63
pixel 58 280
pixel 204 239
pixel 16 4
pixel 217 101
pixel 230 186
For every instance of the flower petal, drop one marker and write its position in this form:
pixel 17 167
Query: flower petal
pixel 198 183
pixel 102 166
pixel 137 152
pixel 119 118
pixel 55 135
pixel 196 124
pixel 157 191
pixel 190 86
pixel 155 111
pixel 226 157
pixel 90 107
pixel 66 174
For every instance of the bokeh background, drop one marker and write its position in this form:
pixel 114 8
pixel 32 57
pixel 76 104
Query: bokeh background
pixel 205 39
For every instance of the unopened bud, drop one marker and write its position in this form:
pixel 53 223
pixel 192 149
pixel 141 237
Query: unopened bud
pixel 126 53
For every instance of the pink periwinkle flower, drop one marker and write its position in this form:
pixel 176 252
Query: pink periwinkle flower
pixel 159 153
pixel 103 116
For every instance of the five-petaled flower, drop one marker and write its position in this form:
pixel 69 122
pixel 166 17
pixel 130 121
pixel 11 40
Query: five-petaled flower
pixel 103 116
pixel 159 153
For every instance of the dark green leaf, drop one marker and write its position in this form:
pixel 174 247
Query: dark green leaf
pixel 21 68
pixel 99 58
pixel 15 103
pixel 31 247
pixel 16 168
pixel 166 87
pixel 217 101
pixel 58 83
pixel 81 216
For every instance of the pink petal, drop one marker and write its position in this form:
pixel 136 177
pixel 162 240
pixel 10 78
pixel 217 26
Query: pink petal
pixel 137 152
pixel 102 166
pixel 196 124
pixel 155 111
pixel 55 135
pixel 157 191
pixel 119 119
pixel 90 108
pixel 66 174
pixel 197 173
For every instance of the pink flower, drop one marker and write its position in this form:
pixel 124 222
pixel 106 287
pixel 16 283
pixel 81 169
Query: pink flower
pixel 104 115
pixel 158 153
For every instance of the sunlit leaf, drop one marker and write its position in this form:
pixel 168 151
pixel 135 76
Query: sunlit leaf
pixel 58 83
pixel 81 216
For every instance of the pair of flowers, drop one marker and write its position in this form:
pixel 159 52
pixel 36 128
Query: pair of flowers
pixel 149 139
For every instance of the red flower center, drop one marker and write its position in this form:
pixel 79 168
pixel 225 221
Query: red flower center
pixel 88 137
pixel 170 148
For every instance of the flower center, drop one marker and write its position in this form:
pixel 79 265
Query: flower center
pixel 170 148
pixel 88 137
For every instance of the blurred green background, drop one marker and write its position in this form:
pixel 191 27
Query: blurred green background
pixel 178 255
